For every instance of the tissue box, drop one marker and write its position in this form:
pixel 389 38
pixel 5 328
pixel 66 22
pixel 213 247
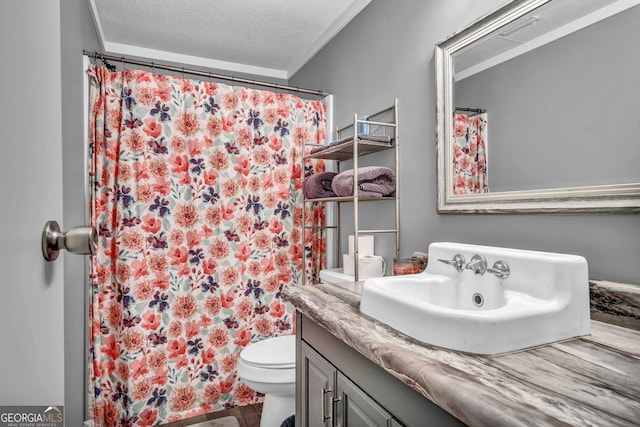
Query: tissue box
pixel 365 245
pixel 368 266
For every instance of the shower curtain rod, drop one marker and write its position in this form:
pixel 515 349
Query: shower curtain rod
pixel 104 58
pixel 473 110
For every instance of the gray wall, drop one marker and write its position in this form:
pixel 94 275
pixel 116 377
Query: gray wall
pixel 77 33
pixel 562 115
pixel 387 52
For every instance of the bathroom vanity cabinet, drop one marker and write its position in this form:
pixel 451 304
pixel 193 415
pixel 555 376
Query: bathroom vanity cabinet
pixel 365 136
pixel 337 386
pixel 333 399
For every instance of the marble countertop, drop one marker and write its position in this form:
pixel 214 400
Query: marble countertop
pixel 587 381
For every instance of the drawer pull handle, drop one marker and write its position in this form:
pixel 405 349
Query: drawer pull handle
pixel 324 417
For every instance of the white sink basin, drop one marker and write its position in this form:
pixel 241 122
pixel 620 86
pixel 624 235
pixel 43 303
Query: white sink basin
pixel 544 298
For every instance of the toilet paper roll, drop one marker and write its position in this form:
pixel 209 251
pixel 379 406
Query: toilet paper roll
pixel 365 245
pixel 368 266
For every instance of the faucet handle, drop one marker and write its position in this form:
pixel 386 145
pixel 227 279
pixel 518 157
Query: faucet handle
pixel 500 269
pixel 457 262
pixel 478 264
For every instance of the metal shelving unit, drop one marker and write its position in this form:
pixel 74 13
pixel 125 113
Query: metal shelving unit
pixel 352 148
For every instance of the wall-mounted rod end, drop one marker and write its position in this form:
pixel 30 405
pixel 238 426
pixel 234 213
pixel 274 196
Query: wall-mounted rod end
pixel 78 240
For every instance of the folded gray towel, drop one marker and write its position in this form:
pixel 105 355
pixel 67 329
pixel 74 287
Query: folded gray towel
pixel 373 181
pixel 318 185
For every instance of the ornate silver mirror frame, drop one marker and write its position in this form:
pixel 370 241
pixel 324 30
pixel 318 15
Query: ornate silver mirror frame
pixel 619 198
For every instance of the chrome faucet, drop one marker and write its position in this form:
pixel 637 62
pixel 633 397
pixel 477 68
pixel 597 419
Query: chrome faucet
pixel 457 262
pixel 478 264
pixel 500 269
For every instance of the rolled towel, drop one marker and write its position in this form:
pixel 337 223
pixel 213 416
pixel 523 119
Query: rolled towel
pixel 373 181
pixel 318 185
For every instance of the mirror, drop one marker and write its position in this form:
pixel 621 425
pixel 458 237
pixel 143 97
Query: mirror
pixel 553 85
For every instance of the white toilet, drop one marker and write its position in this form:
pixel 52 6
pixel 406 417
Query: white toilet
pixel 269 367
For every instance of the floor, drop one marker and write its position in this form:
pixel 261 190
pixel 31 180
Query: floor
pixel 248 416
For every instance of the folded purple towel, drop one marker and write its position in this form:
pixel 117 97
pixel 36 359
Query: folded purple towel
pixel 318 185
pixel 373 181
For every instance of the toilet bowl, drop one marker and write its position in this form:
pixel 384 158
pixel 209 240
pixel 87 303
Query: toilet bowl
pixel 269 367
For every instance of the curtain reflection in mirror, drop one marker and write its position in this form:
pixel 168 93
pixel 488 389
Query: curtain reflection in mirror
pixel 470 152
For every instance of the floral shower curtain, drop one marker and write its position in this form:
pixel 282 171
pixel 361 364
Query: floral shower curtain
pixel 196 193
pixel 470 161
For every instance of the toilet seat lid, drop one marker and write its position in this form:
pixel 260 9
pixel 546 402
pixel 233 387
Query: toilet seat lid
pixel 276 352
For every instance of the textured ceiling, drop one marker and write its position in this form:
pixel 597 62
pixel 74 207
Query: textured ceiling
pixel 272 38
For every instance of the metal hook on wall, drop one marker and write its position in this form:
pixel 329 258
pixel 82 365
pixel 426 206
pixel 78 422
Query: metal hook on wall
pixel 77 240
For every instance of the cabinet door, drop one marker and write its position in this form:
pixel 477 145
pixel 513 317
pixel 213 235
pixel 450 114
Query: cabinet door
pixel 355 408
pixel 318 377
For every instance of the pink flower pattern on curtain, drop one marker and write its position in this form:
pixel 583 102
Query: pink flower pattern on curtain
pixel 196 193
pixel 470 161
